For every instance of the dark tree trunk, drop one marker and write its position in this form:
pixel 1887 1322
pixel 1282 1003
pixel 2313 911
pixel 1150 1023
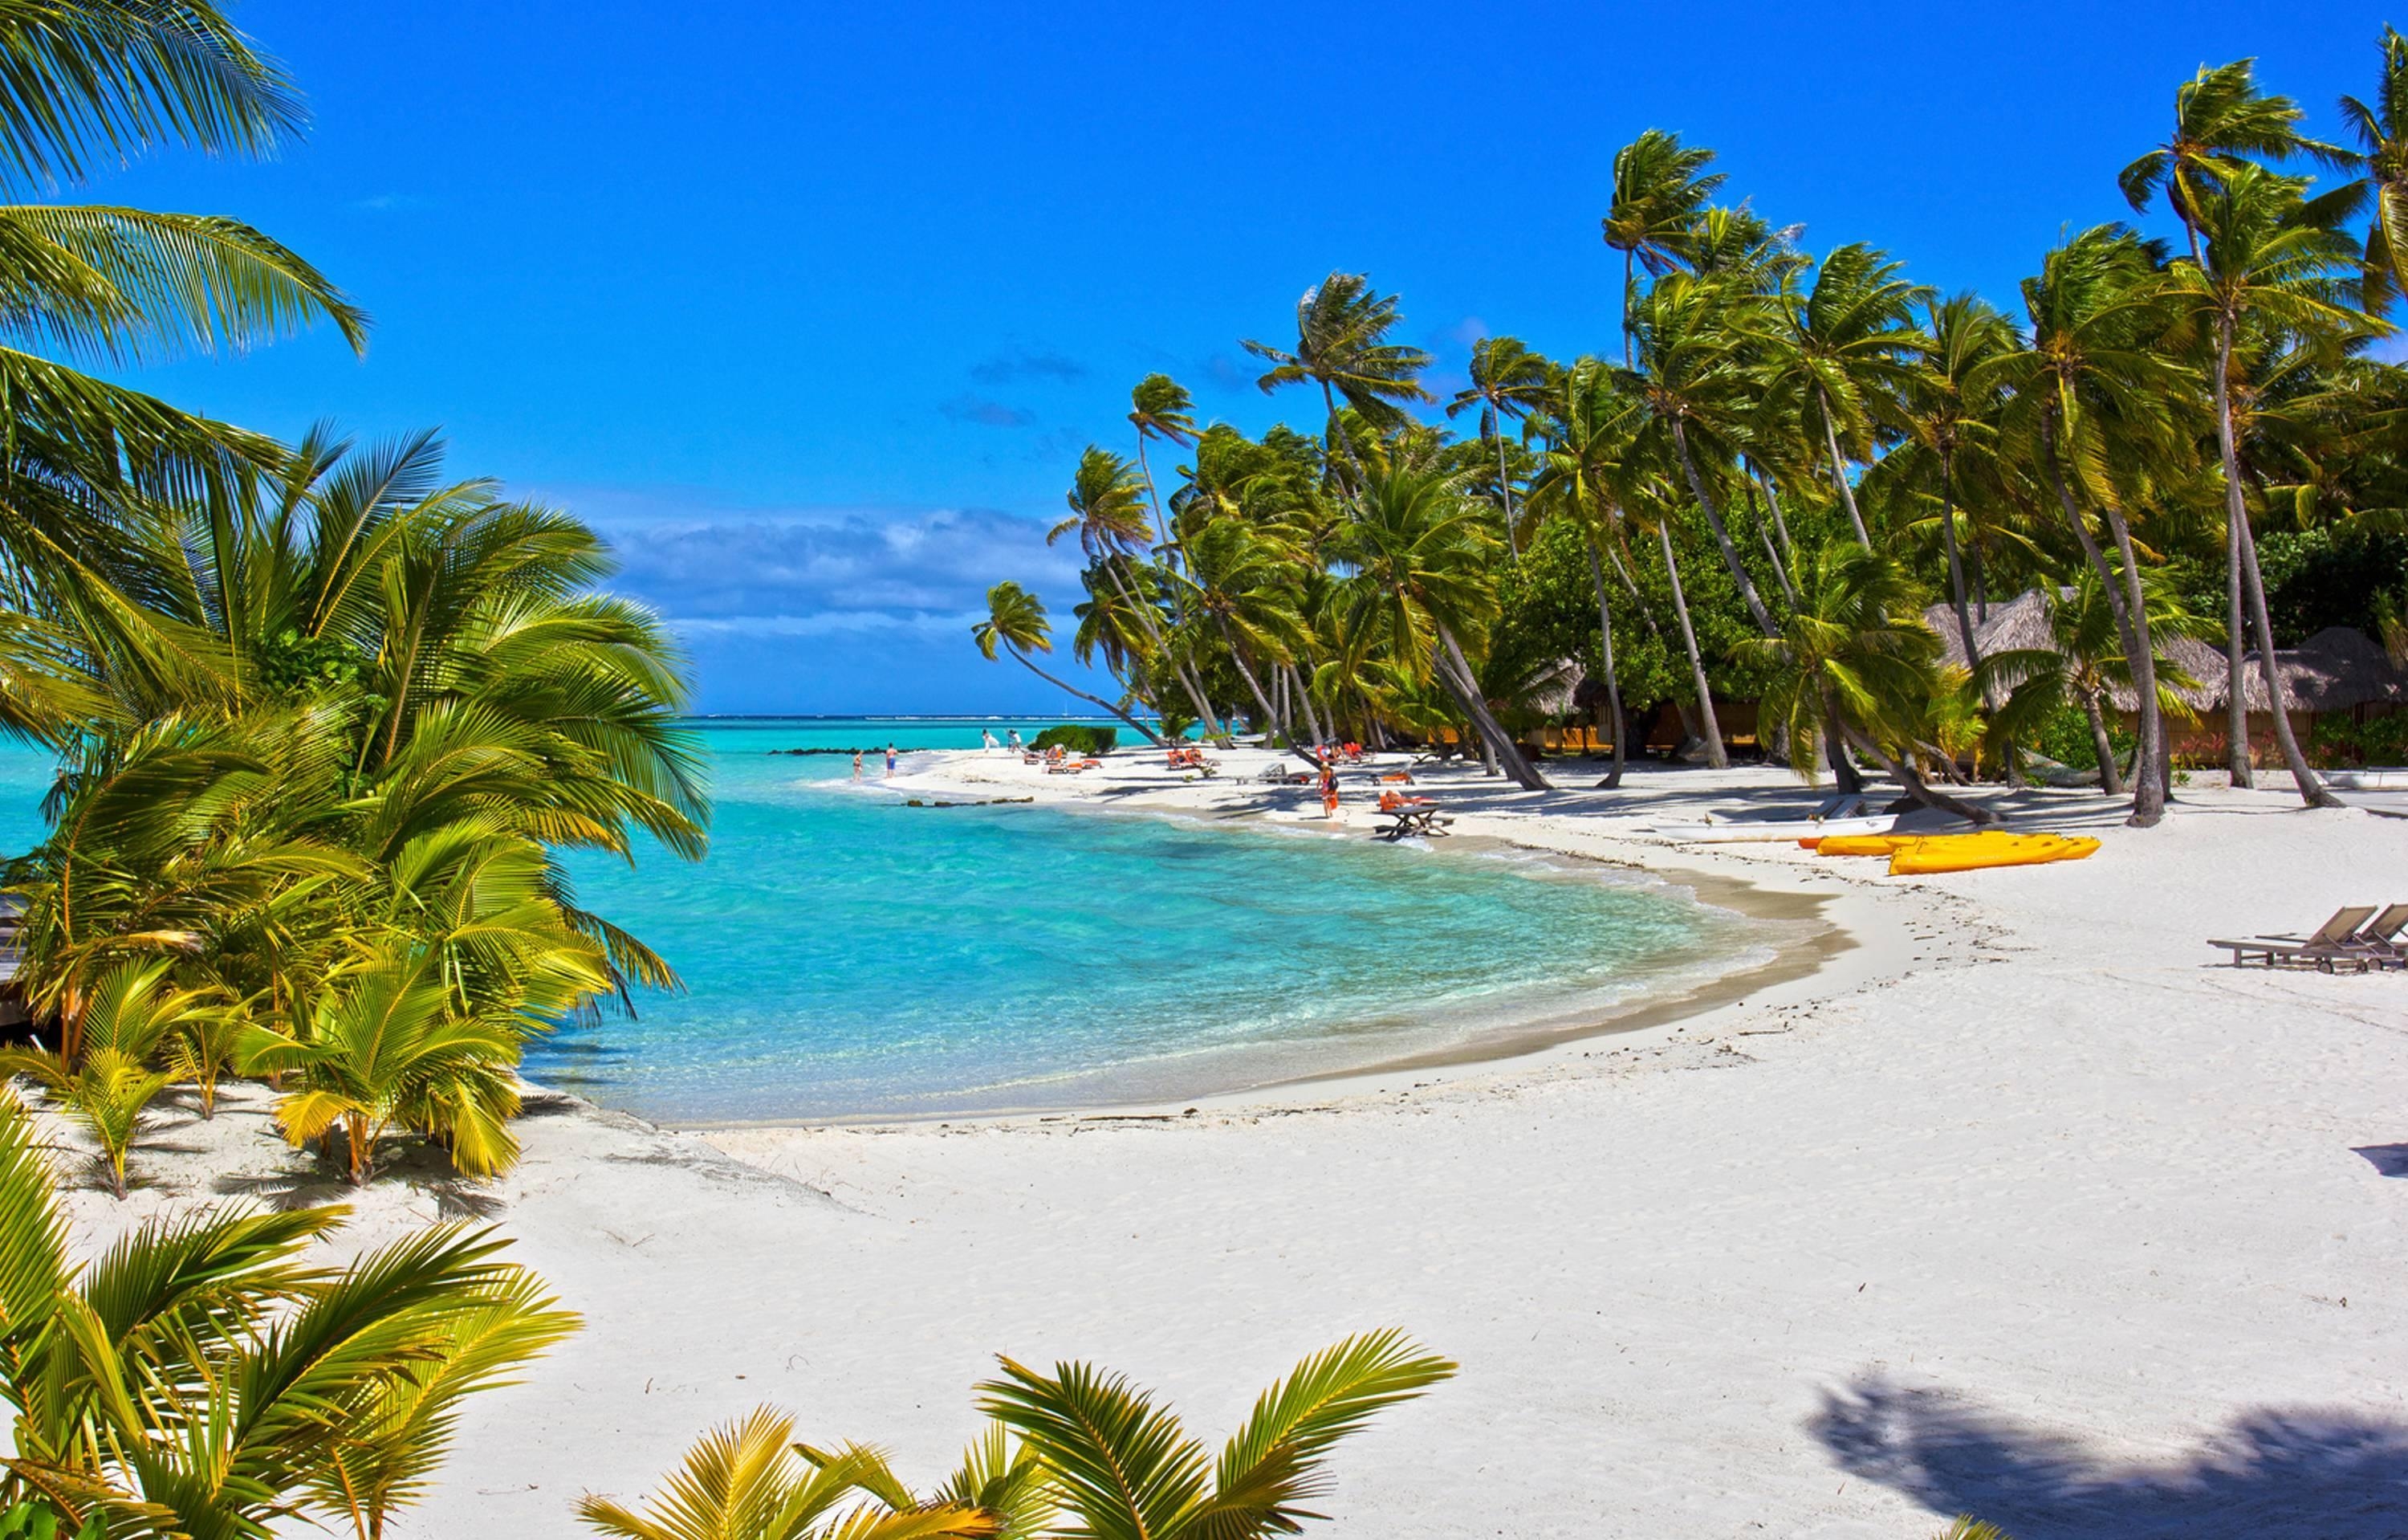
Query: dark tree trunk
pixel 1455 670
pixel 1605 646
pixel 1713 731
pixel 2148 797
pixel 1722 536
pixel 2111 774
pixel 1147 733
pixel 1840 471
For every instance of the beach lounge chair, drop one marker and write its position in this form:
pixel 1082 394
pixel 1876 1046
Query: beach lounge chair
pixel 2379 938
pixel 2325 947
pixel 1425 821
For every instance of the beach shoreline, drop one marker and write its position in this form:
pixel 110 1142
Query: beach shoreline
pixel 2025 1172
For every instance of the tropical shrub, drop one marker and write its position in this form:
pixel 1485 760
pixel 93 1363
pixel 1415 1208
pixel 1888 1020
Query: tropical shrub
pixel 1074 1453
pixel 1078 738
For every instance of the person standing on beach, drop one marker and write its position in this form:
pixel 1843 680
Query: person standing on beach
pixel 986 739
pixel 1015 743
pixel 1328 787
pixel 856 764
pixel 890 761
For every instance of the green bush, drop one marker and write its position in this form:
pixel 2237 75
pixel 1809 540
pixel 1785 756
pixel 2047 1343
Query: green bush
pixel 2065 738
pixel 2379 740
pixel 1078 740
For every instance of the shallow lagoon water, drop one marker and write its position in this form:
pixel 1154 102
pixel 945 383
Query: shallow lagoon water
pixel 847 955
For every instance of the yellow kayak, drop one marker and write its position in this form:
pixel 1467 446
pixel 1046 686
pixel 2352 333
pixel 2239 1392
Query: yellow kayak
pixel 1864 845
pixel 1972 852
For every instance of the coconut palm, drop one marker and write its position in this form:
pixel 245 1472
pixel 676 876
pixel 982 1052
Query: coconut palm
pixel 387 1047
pixel 89 463
pixel 1240 580
pixel 1160 408
pixel 1660 187
pixel 1417 563
pixel 1122 1465
pixel 2098 399
pixel 1341 345
pixel 2221 119
pixel 1855 667
pixel 1015 623
pixel 133 1017
pixel 199 1377
pixel 2381 161
pixel 1507 380
pixel 1108 514
pixel 1587 424
pixel 2084 666
pixel 753 1480
pixel 1843 349
pixel 2272 263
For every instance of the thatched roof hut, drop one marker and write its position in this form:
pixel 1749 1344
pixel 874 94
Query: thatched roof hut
pixel 2337 670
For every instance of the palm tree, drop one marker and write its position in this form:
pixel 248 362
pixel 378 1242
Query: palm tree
pixel 2083 664
pixel 1242 580
pixel 387 1047
pixel 1845 349
pixel 2220 119
pixel 2096 397
pixel 199 1377
pixel 1160 408
pixel 1015 623
pixel 1341 345
pixel 1417 560
pixel 133 1016
pixel 1109 517
pixel 1588 424
pixel 1854 666
pixel 89 463
pixel 1660 186
pixel 1691 385
pixel 1122 1463
pixel 2381 161
pixel 2272 263
pixel 1507 380
pixel 1951 424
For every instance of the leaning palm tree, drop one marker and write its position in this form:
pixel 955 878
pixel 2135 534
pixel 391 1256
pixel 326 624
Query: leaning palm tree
pixel 1015 623
pixel 2095 397
pixel 1842 349
pixel 200 1377
pixel 1589 427
pixel 2274 262
pixel 1160 408
pixel 1341 345
pixel 2381 160
pixel 2221 119
pixel 1660 187
pixel 1109 517
pixel 1507 380
pixel 1856 669
pixel 1418 560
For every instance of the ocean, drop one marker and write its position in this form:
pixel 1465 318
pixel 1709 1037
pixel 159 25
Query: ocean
pixel 846 955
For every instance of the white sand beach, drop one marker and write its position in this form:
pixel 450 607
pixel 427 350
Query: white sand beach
pixel 2023 1204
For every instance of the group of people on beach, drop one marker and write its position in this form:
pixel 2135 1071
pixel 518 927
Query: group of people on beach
pixel 986 740
pixel 890 763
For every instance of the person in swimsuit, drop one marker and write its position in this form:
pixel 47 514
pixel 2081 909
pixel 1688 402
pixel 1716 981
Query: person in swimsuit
pixel 856 764
pixel 890 761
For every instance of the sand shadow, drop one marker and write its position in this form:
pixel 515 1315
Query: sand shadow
pixel 286 1191
pixel 2389 1160
pixel 2300 1474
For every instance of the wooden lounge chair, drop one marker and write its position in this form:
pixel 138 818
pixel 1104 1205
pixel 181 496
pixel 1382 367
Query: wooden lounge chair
pixel 2379 938
pixel 2328 945
pixel 1428 822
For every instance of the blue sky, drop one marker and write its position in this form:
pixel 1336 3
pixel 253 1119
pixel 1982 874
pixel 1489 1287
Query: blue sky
pixel 812 308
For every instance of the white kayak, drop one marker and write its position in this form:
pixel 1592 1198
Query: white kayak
pixel 1790 828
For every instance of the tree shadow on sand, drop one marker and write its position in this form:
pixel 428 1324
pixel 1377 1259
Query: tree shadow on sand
pixel 2291 1474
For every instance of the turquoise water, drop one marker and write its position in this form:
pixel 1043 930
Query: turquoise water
pixel 847 955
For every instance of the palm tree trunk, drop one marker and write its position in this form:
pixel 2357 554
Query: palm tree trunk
pixel 1140 728
pixel 1844 773
pixel 1456 670
pixel 1145 615
pixel 1916 787
pixel 1840 470
pixel 1722 536
pixel 1780 524
pixel 1957 578
pixel 1304 697
pixel 1630 301
pixel 1345 444
pixel 1764 538
pixel 1505 491
pixel 2240 545
pixel 2148 793
pixel 2111 774
pixel 2312 790
pixel 1605 650
pixel 2153 771
pixel 1713 727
